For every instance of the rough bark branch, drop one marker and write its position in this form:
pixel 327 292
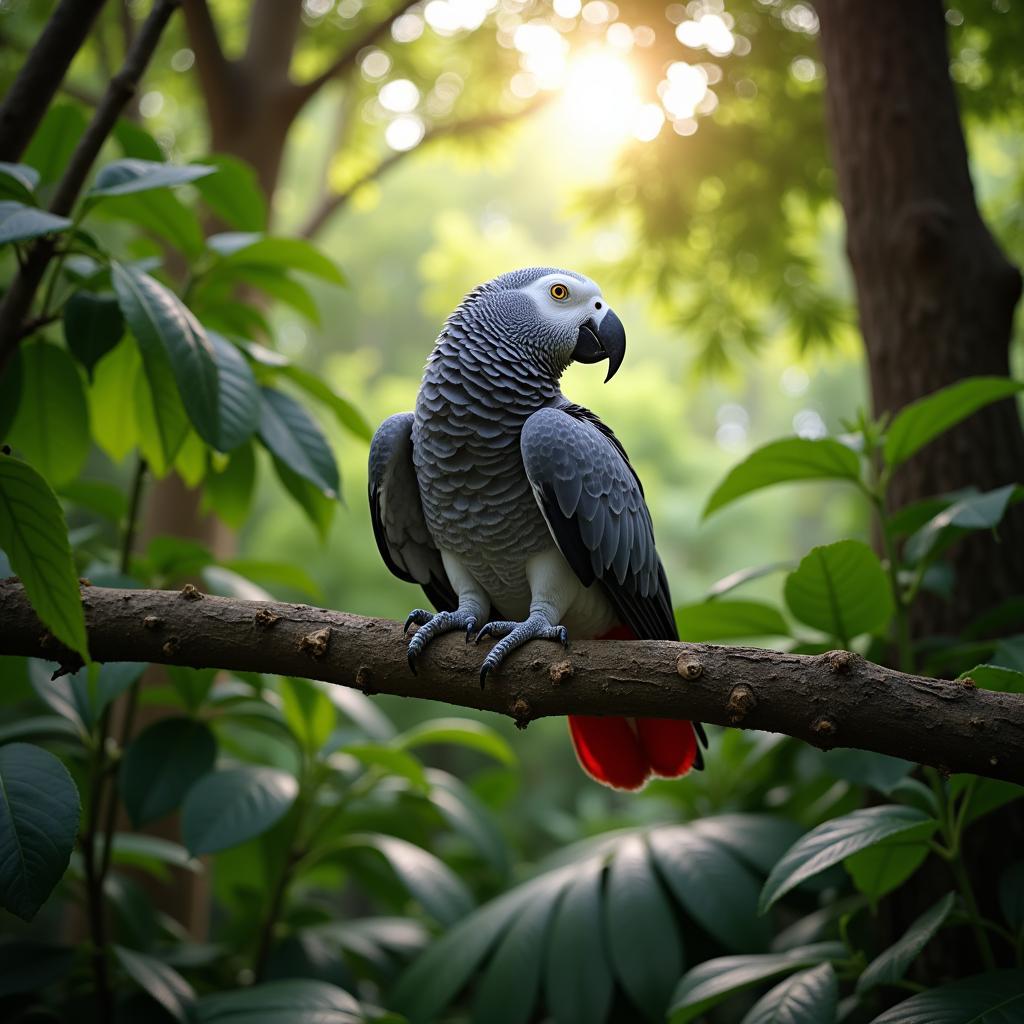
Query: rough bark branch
pixel 832 700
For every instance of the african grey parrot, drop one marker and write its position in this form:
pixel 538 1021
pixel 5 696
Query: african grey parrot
pixel 518 512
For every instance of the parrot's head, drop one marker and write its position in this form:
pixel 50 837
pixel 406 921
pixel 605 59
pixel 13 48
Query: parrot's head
pixel 553 317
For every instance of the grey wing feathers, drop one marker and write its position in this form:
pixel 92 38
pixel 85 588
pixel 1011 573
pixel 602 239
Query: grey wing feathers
pixel 594 506
pixel 398 525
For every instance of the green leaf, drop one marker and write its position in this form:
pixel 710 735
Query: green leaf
pixel 98 497
pixel 922 421
pixel 18 181
pixel 114 426
pixel 866 768
pixel 234 193
pixel 39 728
pixel 27 966
pixel 887 865
pixel 161 213
pixel 162 763
pixel 737 579
pixel 795 458
pixel 350 418
pixel 54 140
pixel 728 620
pixel 19 222
pixel 508 990
pixel 646 950
pixel 135 141
pixel 806 998
pixel 441 893
pixel 995 677
pixel 294 253
pixel 993 998
pixel 229 493
pixel 39 809
pixel 710 982
pixel 51 428
pixel 158 980
pixel 393 762
pixel 463 732
pixel 293 436
pixel 840 589
pixel 311 499
pixel 192 684
pixel 93 325
pixel 163 325
pixel 308 711
pixel 292 1001
pixel 578 979
pixel 272 281
pixel 152 854
pixel 834 841
pixel 123 177
pixel 35 538
pixel 239 397
pixel 758 839
pixel 714 887
pixel 229 807
pixel 466 815
pixel 1011 895
pixel 974 512
pixel 892 964
pixel 81 696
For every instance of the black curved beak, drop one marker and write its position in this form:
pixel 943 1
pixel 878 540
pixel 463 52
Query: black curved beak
pixel 607 341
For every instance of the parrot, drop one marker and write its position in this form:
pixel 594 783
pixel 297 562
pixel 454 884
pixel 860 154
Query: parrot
pixel 518 512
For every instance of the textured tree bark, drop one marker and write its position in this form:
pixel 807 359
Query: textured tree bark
pixel 835 699
pixel 935 293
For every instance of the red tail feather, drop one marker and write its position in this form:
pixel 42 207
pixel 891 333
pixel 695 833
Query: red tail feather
pixel 625 752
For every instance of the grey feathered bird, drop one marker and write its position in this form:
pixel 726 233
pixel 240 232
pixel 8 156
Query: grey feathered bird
pixel 517 511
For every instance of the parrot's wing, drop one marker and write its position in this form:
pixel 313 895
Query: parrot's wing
pixel 594 506
pixel 397 513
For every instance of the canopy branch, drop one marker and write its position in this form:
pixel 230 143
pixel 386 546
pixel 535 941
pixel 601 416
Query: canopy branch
pixel 831 700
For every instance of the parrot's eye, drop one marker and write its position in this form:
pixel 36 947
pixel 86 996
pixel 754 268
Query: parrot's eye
pixel 559 292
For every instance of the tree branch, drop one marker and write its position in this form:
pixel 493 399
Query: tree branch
pixel 213 68
pixel 835 699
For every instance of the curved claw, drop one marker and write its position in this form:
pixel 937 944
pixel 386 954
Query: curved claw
pixel 412 663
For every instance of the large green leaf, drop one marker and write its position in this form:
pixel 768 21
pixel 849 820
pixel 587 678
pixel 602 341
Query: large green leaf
pixel 710 982
pixel 295 439
pixel 463 732
pixel 158 980
pixel 466 815
pixel 890 965
pixel 291 1001
pixel 93 325
pixel 123 177
pixel 228 807
pixel 54 140
pixel 974 512
pixel 239 397
pixel 834 841
pixel 39 809
pixel 160 213
pixel 758 839
pixel 114 426
pixel 728 620
pixel 795 458
pixel 578 980
pixel 993 998
pixel 18 181
pixel 162 763
pixel 81 696
pixel 161 421
pixel 35 538
pixel 806 998
pixel 922 421
pixel 162 324
pixel 840 589
pixel 294 253
pixel 344 411
pixel 995 677
pixel 646 949
pixel 19 222
pixel 228 493
pixel 713 886
pixel 319 508
pixel 887 865
pixel 51 428
pixel 866 768
pixel 234 193
pixel 308 711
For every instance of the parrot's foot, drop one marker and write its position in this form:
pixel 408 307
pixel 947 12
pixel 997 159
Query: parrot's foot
pixel 432 625
pixel 514 635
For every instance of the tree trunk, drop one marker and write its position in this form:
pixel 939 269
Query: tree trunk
pixel 936 294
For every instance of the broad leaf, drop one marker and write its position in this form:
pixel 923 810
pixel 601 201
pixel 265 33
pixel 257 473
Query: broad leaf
pixel 162 424
pixel 993 998
pixel 162 324
pixel 233 193
pixel 866 768
pixel 39 809
pixel 728 620
pixel 228 493
pixel 294 253
pixel 19 222
pixel 291 1001
pixel 35 538
pixel 794 458
pixel 226 808
pixel 54 140
pixel 922 421
pixel 81 696
pixel 294 438
pixel 758 839
pixel 98 497
pixel 840 589
pixel 152 854
pixel 463 732
pixel 319 508
pixel 18 181
pixel 239 397
pixel 806 998
pixel 162 763
pixel 710 982
pixel 833 841
pixel 51 429
pixel 160 213
pixel 135 141
pixel 123 177
pixel 114 426
pixel 158 980
pixel 466 815
pixel 646 950
pixel 995 677
pixel 892 964
pixel 974 512
pixel 308 711
pixel 887 865
pixel 93 325
pixel 344 411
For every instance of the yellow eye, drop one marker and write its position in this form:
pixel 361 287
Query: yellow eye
pixel 560 292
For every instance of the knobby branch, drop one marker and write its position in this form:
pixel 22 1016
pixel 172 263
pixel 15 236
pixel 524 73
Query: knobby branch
pixel 831 700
